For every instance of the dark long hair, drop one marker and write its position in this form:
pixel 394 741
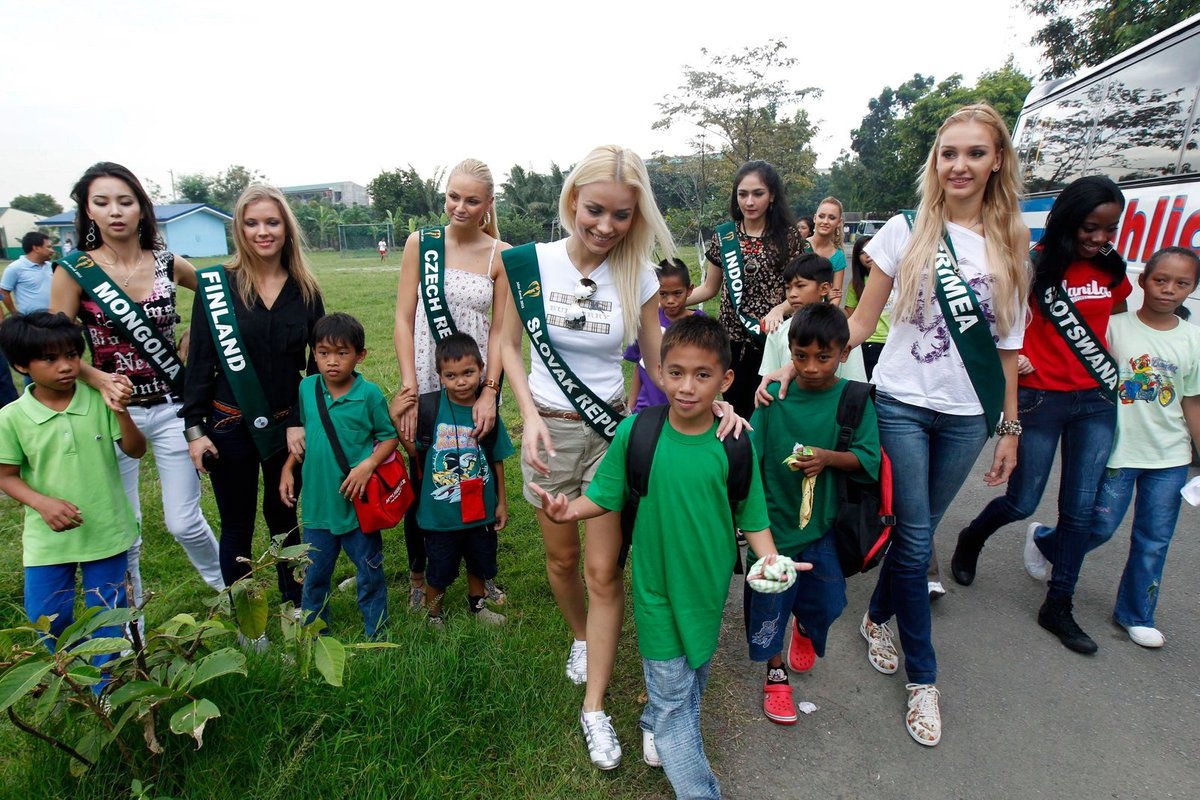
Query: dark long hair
pixel 858 273
pixel 148 229
pixel 779 215
pixel 1056 250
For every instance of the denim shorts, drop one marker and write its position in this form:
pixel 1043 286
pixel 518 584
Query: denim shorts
pixel 447 549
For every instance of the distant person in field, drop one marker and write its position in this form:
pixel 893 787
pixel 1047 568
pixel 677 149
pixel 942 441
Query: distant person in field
pixel 470 291
pixel 25 286
pixel 383 248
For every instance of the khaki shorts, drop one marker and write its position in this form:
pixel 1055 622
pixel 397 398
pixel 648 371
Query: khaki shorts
pixel 578 450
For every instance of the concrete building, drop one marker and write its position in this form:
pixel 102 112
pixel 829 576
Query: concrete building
pixel 192 230
pixel 345 192
pixel 14 223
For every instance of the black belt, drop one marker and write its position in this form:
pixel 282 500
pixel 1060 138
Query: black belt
pixel 150 402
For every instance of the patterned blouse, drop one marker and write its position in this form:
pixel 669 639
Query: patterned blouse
pixel 763 287
pixel 469 298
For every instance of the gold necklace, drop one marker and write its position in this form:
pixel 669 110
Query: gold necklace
pixel 129 271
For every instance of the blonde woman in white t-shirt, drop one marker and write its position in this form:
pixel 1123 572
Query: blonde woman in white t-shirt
pixel 931 422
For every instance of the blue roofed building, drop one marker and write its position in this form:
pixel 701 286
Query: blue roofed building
pixel 192 230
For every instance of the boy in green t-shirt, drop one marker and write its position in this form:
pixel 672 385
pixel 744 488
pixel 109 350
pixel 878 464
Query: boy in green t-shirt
pixel 359 415
pixel 683 547
pixel 805 421
pixel 57 459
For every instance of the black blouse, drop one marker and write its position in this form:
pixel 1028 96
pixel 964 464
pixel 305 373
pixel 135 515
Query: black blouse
pixel 278 341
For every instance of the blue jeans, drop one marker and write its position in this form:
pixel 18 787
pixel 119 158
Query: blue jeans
pixel 672 714
pixel 935 453
pixel 50 589
pixel 1154 517
pixel 365 551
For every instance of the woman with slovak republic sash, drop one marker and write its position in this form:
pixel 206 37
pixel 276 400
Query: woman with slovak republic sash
pixel 251 343
pixel 960 266
pixel 122 287
pixel 1068 383
pixel 746 260
pixel 451 279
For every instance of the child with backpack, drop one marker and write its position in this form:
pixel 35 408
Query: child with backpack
pixel 795 439
pixel 674 286
pixel 461 502
pixel 684 548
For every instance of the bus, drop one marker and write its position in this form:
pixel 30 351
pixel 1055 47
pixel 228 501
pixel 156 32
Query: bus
pixel 1134 119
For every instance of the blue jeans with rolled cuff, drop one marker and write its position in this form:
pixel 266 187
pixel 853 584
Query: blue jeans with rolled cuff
pixel 365 551
pixel 672 714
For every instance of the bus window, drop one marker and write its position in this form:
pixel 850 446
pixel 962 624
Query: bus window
pixel 1051 139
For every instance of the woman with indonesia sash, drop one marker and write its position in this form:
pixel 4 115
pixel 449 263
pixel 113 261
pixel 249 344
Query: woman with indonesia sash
pixel 122 287
pixel 1067 391
pixel 746 260
pixel 580 300
pixel 947 371
pixel 251 340
pixel 448 283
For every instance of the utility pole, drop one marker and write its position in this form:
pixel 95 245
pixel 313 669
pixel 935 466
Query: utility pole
pixel 174 196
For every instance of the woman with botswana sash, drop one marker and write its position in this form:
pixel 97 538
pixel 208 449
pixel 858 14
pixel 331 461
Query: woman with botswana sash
pixel 122 287
pixel 251 340
pixel 451 278
pixel 1067 392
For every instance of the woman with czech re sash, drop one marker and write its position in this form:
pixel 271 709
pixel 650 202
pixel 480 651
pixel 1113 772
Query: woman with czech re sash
pixel 122 287
pixel 746 260
pixel 251 343
pixel 947 371
pixel 1067 391
pixel 448 283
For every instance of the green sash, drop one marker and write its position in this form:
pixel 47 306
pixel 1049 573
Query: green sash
pixel 433 287
pixel 1058 309
pixel 267 434
pixel 127 317
pixel 735 274
pixel 969 329
pixel 524 277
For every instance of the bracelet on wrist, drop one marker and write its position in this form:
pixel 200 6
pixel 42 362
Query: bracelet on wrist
pixel 195 432
pixel 1009 427
pixel 491 384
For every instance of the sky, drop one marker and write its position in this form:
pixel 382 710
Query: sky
pixel 309 92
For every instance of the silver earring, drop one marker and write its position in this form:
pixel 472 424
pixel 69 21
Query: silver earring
pixel 90 239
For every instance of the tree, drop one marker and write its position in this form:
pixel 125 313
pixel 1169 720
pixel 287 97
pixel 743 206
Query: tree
pixel 194 188
pixel 228 186
pixel 1083 33
pixel 41 204
pixel 407 192
pixel 528 203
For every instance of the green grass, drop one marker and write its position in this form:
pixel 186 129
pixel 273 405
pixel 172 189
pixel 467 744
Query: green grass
pixel 467 712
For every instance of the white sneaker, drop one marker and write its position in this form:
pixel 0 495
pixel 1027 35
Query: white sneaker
pixel 349 585
pixel 603 747
pixel 485 616
pixel 649 751
pixel 577 662
pixel 924 717
pixel 1146 637
pixel 936 591
pixel 1036 564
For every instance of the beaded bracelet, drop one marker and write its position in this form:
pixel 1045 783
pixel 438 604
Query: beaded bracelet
pixel 1009 427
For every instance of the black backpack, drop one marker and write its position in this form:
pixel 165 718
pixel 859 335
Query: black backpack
pixel 863 528
pixel 643 441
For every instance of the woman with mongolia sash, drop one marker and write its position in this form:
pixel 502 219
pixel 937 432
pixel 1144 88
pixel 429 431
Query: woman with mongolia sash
pixel 122 287
pixel 580 300
pixel 1067 391
pixel 746 260
pixel 251 341
pixel 448 283
pixel 947 371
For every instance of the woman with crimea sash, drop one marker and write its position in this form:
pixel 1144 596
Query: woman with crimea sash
pixel 451 279
pixel 261 307
pixel 746 260
pixel 122 287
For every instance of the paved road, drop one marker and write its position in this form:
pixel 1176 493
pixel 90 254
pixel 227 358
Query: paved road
pixel 1023 716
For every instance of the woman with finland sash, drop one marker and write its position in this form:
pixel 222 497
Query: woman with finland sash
pixel 448 283
pixel 251 340
pixel 746 260
pixel 1068 389
pixel 947 377
pixel 122 287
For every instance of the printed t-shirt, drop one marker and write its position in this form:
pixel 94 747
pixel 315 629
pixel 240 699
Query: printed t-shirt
pixel 920 364
pixel 809 418
pixel 762 286
pixel 454 456
pixel 360 418
pixel 1054 362
pixel 881 327
pixel 594 352
pixel 649 394
pixel 1158 369
pixel 683 543
pixel 69 455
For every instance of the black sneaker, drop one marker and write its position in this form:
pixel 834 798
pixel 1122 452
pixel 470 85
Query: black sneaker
pixel 1055 616
pixel 965 559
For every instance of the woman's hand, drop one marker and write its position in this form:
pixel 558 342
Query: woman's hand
pixel 1024 366
pixel 295 442
pixel 730 421
pixel 197 448
pixel 783 376
pixel 1004 461
pixel 403 412
pixel 182 347
pixel 483 413
pixel 535 438
pixel 115 388
pixel 772 320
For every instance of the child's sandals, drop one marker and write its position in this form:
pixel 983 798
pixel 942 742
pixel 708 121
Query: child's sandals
pixel 881 651
pixel 777 703
pixel 801 655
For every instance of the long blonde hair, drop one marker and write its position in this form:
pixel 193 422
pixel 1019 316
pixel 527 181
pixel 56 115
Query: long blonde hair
pixel 244 265
pixel 476 170
pixel 1005 235
pixel 631 255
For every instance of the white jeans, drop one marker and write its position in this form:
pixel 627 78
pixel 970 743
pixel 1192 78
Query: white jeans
pixel 163 430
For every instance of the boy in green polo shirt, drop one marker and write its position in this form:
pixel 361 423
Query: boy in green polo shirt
pixel 57 459
pixel 359 415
